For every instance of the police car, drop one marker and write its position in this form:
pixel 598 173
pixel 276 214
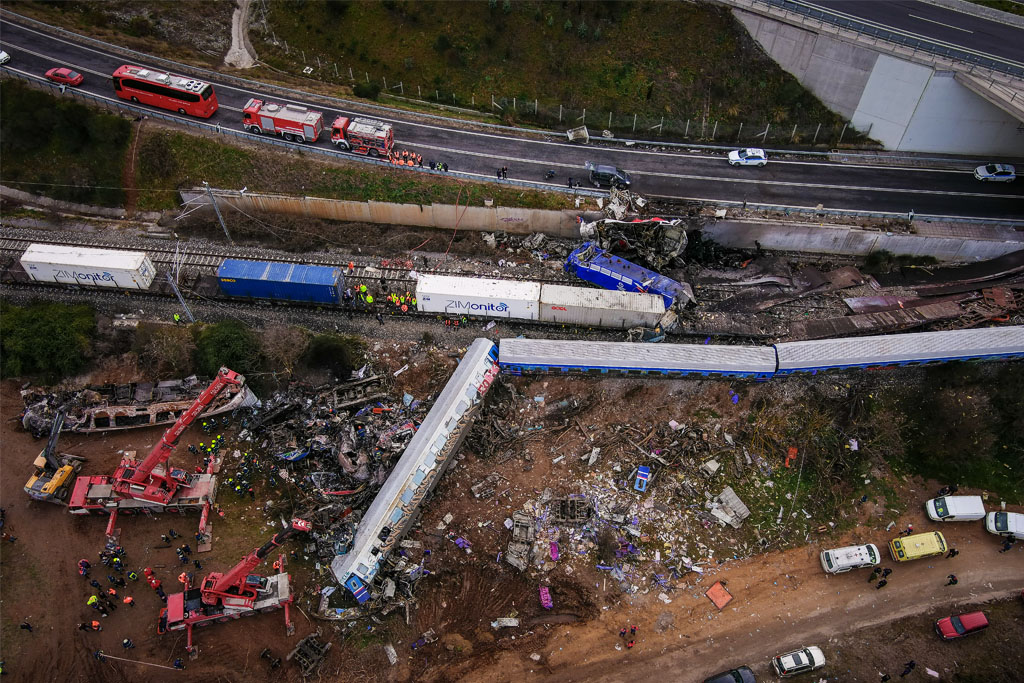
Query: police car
pixel 997 173
pixel 748 157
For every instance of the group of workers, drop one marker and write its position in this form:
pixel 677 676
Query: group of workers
pixel 241 480
pixel 103 600
pixel 405 158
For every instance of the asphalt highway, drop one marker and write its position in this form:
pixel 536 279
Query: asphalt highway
pixel 788 180
pixel 939 24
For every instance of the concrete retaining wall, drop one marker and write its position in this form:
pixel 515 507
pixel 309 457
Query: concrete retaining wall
pixel 818 239
pixel 67 207
pixel 906 106
pixel 442 216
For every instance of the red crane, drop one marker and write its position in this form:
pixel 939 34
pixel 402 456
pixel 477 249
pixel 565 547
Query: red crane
pixel 235 593
pixel 150 484
pixel 143 481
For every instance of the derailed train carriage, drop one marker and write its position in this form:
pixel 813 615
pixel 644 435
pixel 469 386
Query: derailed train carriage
pixel 522 355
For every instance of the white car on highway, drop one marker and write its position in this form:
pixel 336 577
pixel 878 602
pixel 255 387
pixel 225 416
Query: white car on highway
pixel 997 173
pixel 748 157
pixel 4 57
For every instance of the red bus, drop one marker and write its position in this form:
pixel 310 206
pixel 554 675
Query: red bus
pixel 164 90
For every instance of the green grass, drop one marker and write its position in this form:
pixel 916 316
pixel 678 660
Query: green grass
pixel 1010 6
pixel 169 159
pixel 59 148
pixel 967 427
pixel 677 60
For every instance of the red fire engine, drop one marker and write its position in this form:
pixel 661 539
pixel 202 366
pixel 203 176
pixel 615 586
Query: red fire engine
pixel 290 121
pixel 363 136
pixel 235 593
pixel 150 486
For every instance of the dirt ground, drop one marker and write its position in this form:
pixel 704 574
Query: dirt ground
pixel 781 599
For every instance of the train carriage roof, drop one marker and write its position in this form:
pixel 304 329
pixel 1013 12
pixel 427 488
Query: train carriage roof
pixel 900 348
pixel 628 355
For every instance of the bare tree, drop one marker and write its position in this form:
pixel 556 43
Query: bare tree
pixel 169 349
pixel 283 346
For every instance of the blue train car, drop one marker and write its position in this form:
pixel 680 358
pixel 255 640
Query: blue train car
pixel 286 281
pixel 593 264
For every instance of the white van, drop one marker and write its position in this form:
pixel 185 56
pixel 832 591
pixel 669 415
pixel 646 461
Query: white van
pixel 851 557
pixel 955 509
pixel 1009 524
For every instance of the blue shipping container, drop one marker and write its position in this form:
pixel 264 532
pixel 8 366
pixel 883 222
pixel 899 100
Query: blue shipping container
pixel 593 264
pixel 286 281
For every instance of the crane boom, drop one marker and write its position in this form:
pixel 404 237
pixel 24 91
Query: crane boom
pixel 50 452
pixel 140 480
pixel 235 578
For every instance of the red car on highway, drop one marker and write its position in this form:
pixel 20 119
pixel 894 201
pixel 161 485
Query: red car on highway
pixel 951 628
pixel 64 75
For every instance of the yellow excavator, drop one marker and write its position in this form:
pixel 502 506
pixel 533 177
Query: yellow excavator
pixel 54 473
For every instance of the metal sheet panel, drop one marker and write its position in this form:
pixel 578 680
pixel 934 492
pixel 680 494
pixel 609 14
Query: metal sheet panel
pixel 631 356
pixel 477 296
pixel 288 281
pixel 599 307
pixel 900 348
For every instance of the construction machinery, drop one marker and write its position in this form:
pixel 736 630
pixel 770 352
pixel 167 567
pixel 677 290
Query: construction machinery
pixel 150 485
pixel 236 593
pixel 54 473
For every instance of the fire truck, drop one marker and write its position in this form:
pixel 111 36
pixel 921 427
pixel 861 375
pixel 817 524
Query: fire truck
pixel 290 121
pixel 233 594
pixel 363 136
pixel 150 485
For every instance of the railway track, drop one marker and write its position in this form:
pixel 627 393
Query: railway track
pixel 204 258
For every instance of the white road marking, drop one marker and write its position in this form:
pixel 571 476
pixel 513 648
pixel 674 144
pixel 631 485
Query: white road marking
pixel 492 136
pixel 580 170
pixel 932 21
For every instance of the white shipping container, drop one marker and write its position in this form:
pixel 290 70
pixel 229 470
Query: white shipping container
pixel 599 307
pixel 88 267
pixel 477 297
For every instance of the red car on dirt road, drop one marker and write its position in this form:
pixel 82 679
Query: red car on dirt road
pixel 951 628
pixel 65 76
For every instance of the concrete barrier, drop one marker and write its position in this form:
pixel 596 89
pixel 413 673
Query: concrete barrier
pixel 515 220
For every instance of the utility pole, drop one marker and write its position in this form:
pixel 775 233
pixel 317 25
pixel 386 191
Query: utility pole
pixel 181 299
pixel 176 267
pixel 216 209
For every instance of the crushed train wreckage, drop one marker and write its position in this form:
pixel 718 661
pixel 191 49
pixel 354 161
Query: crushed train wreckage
pixel 654 243
pixel 112 407
pixel 366 568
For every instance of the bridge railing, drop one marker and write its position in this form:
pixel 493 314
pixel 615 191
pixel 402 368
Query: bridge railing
pixel 889 35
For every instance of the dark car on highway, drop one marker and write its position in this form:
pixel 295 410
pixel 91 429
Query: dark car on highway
pixel 608 175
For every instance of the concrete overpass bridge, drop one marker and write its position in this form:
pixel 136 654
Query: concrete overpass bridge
pixel 933 76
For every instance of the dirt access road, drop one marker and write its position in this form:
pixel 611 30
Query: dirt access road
pixel 781 601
